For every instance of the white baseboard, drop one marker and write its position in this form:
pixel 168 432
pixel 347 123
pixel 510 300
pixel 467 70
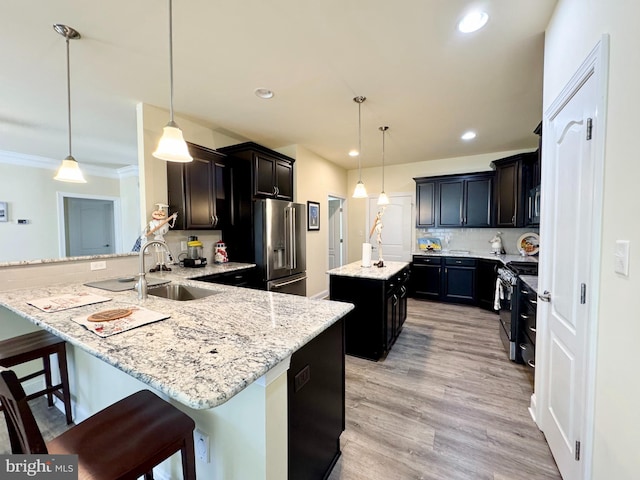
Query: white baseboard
pixel 321 296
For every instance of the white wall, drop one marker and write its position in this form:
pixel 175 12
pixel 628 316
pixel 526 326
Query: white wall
pixel 575 28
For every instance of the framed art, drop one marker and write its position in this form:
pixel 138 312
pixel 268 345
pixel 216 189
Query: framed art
pixel 313 216
pixel 4 214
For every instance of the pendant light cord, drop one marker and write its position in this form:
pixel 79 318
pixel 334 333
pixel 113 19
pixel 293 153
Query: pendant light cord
pixel 171 61
pixel 383 132
pixel 68 96
pixel 359 142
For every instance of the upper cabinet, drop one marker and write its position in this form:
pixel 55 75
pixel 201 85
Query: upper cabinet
pixel 514 179
pixel 199 191
pixel 271 172
pixel 455 200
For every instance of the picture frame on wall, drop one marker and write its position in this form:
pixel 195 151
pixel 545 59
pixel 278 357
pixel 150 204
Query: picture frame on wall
pixel 313 216
pixel 4 213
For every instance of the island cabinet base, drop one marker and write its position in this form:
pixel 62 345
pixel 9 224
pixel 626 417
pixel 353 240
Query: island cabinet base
pixel 316 394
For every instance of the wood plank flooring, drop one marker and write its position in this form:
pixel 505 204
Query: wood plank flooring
pixel 446 404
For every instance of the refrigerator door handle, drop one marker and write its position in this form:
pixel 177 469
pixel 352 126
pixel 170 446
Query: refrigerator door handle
pixel 279 285
pixel 292 234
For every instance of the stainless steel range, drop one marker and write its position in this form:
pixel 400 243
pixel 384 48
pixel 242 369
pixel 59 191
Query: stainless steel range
pixel 507 298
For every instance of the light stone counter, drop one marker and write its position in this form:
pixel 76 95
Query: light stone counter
pixel 531 281
pixel 481 255
pixel 356 269
pixel 208 350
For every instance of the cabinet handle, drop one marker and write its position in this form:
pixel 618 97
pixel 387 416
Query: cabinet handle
pixel 513 219
pixel 439 270
pixel 531 363
pixel 535 302
pixel 526 317
pixel 213 220
pixel 530 217
pixel 533 329
pixel 458 261
pixel 524 292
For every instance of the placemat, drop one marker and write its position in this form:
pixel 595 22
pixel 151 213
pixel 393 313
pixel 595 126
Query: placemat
pixel 139 316
pixel 66 301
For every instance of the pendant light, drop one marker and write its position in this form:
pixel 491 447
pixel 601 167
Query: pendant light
pixel 172 147
pixel 360 191
pixel 69 170
pixel 383 199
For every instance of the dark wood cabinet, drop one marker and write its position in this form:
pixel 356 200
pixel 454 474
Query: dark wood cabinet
pixel 459 280
pixel 486 276
pixel 236 278
pixel 426 204
pixel 513 183
pixel 373 326
pixel 426 277
pixel 527 308
pixel 316 405
pixel 455 200
pixel 199 191
pixel 271 172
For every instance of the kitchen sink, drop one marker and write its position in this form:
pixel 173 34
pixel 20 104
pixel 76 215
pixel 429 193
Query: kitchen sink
pixel 179 292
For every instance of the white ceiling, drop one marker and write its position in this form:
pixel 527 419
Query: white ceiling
pixel 425 80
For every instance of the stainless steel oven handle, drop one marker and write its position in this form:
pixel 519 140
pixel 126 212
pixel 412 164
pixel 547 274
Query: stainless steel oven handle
pixel 278 285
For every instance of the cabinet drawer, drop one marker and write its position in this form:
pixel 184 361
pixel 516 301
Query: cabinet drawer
pixel 460 262
pixel 528 322
pixel 424 260
pixel 528 352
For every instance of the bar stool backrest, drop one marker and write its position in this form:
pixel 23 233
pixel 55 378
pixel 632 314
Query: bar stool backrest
pixel 24 433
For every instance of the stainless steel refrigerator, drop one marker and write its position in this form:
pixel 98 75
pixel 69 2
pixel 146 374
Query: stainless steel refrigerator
pixel 280 245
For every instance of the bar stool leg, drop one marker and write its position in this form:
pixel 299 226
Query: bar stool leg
pixel 46 363
pixel 188 466
pixel 64 380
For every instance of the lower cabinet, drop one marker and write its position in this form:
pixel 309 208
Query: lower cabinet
pixel 486 276
pixel 236 278
pixel 459 280
pixel 316 408
pixel 426 277
pixel 372 327
pixel 527 305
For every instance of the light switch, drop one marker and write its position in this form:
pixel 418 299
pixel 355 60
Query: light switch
pixel 622 257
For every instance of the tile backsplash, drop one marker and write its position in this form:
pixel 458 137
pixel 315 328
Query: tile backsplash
pixel 474 239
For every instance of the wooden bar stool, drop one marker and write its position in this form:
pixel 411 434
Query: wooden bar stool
pixel 34 346
pixel 122 442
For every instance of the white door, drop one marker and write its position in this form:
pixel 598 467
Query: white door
pixel 89 227
pixel 397 222
pixel 568 248
pixel 336 241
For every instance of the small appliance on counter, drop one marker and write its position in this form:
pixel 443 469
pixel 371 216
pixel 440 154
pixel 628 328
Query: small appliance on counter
pixel 194 256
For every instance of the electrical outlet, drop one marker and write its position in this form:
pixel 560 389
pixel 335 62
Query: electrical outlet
pixel 201 444
pixel 183 246
pixel 98 265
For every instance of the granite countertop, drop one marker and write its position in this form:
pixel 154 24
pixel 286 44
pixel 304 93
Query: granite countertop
pixel 208 350
pixel 483 255
pixel 531 281
pixel 356 269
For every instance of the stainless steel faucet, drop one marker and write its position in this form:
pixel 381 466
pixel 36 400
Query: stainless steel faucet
pixel 141 286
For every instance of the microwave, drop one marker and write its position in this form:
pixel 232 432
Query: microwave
pixel 533 212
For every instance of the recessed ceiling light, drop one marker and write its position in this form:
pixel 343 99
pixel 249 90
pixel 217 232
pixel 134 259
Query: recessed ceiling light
pixel 263 92
pixel 468 135
pixel 353 153
pixel 473 21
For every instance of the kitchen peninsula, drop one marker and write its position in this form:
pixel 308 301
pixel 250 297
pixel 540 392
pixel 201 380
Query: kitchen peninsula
pixel 222 359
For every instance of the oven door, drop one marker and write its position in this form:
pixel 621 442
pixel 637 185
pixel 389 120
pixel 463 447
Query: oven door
pixel 507 308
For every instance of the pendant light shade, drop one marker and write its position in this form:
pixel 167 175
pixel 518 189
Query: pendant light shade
pixel 383 199
pixel 360 191
pixel 172 147
pixel 69 170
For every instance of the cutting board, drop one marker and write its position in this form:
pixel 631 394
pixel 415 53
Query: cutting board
pixel 122 284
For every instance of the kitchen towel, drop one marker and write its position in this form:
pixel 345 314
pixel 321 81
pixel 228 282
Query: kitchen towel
pixel 499 295
pixel 139 316
pixel 366 254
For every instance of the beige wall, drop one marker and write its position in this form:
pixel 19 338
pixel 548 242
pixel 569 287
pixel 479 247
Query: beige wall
pixel 315 180
pixel 399 179
pixel 576 27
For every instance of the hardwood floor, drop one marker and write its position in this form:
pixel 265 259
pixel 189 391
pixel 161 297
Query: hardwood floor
pixel 445 404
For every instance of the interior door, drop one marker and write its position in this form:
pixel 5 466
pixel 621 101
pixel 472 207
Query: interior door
pixel 396 235
pixel 90 227
pixel 336 242
pixel 567 240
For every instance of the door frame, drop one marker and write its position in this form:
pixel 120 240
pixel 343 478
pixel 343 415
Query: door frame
pixel 62 226
pixel 343 221
pixel 596 64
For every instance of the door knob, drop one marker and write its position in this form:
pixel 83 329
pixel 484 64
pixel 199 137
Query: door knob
pixel 545 297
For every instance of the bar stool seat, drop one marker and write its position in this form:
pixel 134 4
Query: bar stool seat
pixel 122 442
pixel 40 345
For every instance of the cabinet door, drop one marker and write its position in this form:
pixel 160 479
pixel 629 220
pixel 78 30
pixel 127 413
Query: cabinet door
pixel 450 203
pixel 199 184
pixel 486 276
pixel 391 302
pixel 426 204
pixel 459 284
pixel 221 196
pixel 284 180
pixel 425 278
pixel 264 176
pixel 508 179
pixel 478 202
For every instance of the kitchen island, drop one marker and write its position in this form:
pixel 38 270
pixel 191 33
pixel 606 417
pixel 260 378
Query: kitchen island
pixel 380 299
pixel 222 359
